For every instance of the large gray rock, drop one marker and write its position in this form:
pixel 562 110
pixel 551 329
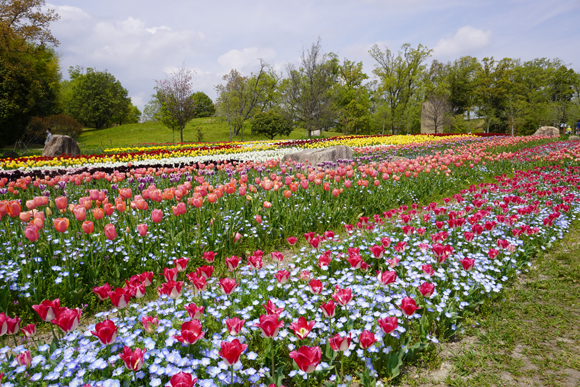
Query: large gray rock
pixel 547 131
pixel 316 156
pixel 59 144
pixel 574 138
pixel 10 154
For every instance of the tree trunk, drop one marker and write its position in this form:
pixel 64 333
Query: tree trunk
pixel 181 131
pixel 230 128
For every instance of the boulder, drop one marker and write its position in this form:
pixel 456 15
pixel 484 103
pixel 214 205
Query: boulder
pixel 574 138
pixel 316 156
pixel 547 131
pixel 10 154
pixel 59 145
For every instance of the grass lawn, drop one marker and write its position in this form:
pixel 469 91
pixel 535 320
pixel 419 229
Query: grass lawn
pixel 154 132
pixel 528 337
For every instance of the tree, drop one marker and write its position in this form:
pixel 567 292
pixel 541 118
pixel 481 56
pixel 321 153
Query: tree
pixel 96 97
pixel 151 110
pixel 24 25
pixel 436 110
pixel 242 97
pixel 352 98
pixel 271 124
pixel 175 95
pixel 130 115
pixel 204 105
pixel 493 82
pixel 29 67
pixel 307 95
pixel 400 77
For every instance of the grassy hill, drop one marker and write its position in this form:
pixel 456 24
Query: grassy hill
pixel 154 132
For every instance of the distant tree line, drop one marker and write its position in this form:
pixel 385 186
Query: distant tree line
pixel 322 93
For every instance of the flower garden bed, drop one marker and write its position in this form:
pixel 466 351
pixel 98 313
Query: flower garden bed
pixel 353 301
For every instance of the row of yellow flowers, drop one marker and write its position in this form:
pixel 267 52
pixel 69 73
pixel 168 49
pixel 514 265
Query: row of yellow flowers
pixel 132 154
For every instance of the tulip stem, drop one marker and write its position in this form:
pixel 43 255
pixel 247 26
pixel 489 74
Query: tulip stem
pixel 14 339
pixel 232 381
pixel 342 365
pixel 273 343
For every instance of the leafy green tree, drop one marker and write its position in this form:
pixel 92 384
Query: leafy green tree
pixel 130 115
pixel 493 82
pixel 401 78
pixel 243 97
pixel 204 105
pixel 151 110
pixel 307 95
pixel 96 97
pixel 29 67
pixel 352 98
pixel 271 124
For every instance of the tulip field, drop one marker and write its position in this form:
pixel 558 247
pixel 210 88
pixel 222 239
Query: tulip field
pixel 219 264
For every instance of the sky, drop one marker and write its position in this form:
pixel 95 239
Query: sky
pixel 140 41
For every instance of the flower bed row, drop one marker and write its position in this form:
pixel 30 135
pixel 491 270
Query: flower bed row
pixel 72 232
pixel 258 151
pixel 351 305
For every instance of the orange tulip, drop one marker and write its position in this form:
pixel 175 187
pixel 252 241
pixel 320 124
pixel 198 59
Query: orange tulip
pixel 61 224
pixel 88 227
pixel 60 202
pixel 98 213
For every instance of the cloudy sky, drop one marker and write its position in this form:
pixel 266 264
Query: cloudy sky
pixel 139 41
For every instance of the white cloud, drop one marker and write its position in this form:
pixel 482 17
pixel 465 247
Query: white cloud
pixel 68 13
pixel 238 59
pixel 466 41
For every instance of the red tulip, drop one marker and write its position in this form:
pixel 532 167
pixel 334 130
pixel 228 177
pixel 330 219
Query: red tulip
pixel 12 325
pixel 493 253
pixel 386 242
pixel 378 251
pixel 255 262
pixel 302 327
pixel 277 256
pixel 171 289
pixel 233 262
pixel 315 286
pixel 367 338
pixel 24 359
pixel 170 274
pixel 193 311
pixel 181 264
pixel 307 358
pixel 61 224
pixel 204 272
pixel 120 298
pixel 88 227
pixel 234 325
pixel 467 263
pixel 135 289
pixel 428 269
pixel 102 292
pixel 388 324
pixel 468 236
pixel 47 310
pixel 340 343
pixel 106 332
pixel 29 330
pixel 110 231
pixel 271 308
pixel 342 296
pixel 142 229
pixel 270 324
pixel 231 351
pixel 190 332
pixel 68 319
pixel 282 276
pixel 387 277
pixel 182 379
pixel 408 306
pixel 292 240
pixel 133 359
pixel 156 216
pixel 209 256
pixel 150 324
pixel 237 236
pixel 31 233
pixel 146 278
pixel 427 289
pixel 228 285
pixel 328 309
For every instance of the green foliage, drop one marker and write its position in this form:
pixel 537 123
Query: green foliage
pixel 352 99
pixel 271 124
pixel 29 83
pixel 96 97
pixel 130 115
pixel 204 106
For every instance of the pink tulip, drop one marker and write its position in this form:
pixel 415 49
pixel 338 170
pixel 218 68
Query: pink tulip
pixel 142 229
pixel 31 233
pixel 228 285
pixel 156 216
pixel 234 325
pixel 133 359
pixel 24 359
pixel 150 324
pixel 110 231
